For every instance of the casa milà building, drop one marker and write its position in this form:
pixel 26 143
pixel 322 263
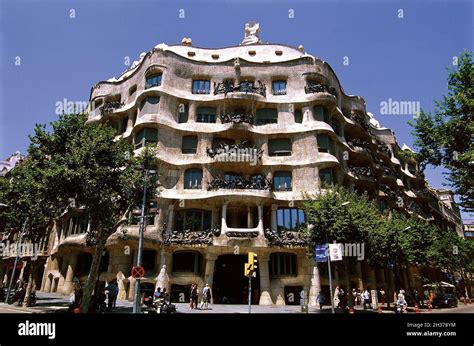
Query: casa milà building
pixel 244 134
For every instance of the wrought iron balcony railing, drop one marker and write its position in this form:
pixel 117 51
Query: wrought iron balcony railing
pixel 241 149
pixel 414 207
pixel 388 191
pixel 109 107
pixel 313 87
pixel 358 144
pixel 237 118
pixel 358 118
pixel 388 171
pixel 245 87
pixel 285 238
pixel 383 148
pixel 424 193
pixel 188 237
pixel 361 172
pixel 240 183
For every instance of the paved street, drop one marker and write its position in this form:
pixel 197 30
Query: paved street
pixel 56 303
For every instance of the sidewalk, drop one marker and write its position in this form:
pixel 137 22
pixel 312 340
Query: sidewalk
pixel 56 303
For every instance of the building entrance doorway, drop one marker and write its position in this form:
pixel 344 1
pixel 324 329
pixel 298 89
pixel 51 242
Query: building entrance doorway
pixel 230 286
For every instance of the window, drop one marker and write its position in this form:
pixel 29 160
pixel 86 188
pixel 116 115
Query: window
pixel 201 86
pixel 325 144
pixel 279 147
pixel 266 116
pixel 132 90
pixel 135 219
pixel 231 179
pixel 187 262
pixel 321 114
pixel 193 179
pixel 189 145
pixel 148 260
pixel 298 117
pixel 282 181
pixel 183 111
pixel 153 81
pixel 98 103
pixel 152 100
pixel 290 218
pixel 279 87
pixel 326 176
pixel 193 220
pixel 336 127
pixel 145 136
pixel 76 224
pixel 283 264
pixel 206 115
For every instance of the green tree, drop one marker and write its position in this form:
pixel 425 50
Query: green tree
pixel 445 138
pixel 99 174
pixel 29 212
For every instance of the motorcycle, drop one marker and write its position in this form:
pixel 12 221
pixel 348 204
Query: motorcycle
pixel 401 309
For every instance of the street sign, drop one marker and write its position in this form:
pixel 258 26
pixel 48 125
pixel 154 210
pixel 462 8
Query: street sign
pixel 138 272
pixel 335 252
pixel 320 253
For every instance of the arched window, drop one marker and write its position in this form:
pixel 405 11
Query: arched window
pixel 153 80
pixel 193 178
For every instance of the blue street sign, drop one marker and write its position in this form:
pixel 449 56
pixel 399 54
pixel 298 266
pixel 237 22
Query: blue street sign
pixel 320 253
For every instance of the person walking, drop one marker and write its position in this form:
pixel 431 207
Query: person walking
pixel 366 298
pixel 320 300
pixel 112 293
pixel 206 297
pixel 194 296
pixel 191 302
pixel 336 300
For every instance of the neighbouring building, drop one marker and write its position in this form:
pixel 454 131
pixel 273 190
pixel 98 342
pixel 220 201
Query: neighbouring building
pixel 468 228
pixel 244 133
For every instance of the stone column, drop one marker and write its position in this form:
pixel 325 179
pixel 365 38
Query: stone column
pixel 265 298
pixel 249 217
pixel 223 219
pixel 47 285
pixel 71 268
pixel 209 271
pixel 22 271
pixel 315 286
pixel 274 217
pixel 131 290
pixel 307 114
pixel 192 112
pixel 170 225
pixel 260 221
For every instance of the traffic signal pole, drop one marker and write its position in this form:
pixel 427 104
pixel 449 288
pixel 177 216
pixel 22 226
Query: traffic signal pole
pixel 250 293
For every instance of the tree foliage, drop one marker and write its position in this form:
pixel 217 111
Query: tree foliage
pixel 446 138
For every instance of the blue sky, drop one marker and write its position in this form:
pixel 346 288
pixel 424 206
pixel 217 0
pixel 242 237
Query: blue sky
pixel 403 59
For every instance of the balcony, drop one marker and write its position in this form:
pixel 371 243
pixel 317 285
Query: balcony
pixel 414 208
pixel 422 193
pixel 109 107
pixel 241 152
pixel 358 118
pixel 313 87
pixel 388 191
pixel 358 144
pixel 285 238
pixel 188 237
pixel 237 118
pixel 244 87
pixel 361 172
pixel 388 171
pixel 240 183
pixel 383 148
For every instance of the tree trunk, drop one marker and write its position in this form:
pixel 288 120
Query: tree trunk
pixel 93 273
pixel 31 283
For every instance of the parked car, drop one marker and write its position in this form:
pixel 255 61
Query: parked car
pixel 448 300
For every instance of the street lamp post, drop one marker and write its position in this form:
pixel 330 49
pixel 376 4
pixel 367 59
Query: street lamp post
pixel 328 257
pixel 136 302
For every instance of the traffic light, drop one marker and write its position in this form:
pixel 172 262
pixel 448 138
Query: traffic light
pixel 253 261
pixel 246 269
